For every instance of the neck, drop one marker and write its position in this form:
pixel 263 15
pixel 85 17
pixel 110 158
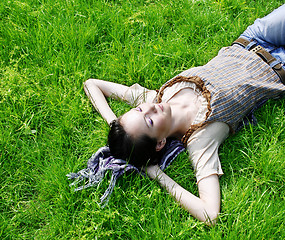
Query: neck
pixel 183 116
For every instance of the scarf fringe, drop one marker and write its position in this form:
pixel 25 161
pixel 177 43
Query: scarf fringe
pixel 102 161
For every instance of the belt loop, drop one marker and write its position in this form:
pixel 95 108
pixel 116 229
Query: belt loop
pixel 274 63
pixel 251 45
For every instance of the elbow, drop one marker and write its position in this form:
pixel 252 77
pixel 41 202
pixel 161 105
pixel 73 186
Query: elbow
pixel 211 218
pixel 89 82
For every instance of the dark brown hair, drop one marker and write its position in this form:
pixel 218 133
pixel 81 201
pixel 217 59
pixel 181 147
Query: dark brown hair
pixel 140 151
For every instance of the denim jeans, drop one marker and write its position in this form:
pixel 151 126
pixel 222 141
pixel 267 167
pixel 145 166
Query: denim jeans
pixel 269 32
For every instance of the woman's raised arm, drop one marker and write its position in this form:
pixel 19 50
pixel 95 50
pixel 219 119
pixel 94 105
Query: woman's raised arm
pixel 205 208
pixel 97 90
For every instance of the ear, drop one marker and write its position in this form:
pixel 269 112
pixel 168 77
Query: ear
pixel 160 144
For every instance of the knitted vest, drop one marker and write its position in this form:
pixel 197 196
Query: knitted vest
pixel 234 83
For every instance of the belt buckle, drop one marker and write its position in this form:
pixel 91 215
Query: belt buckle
pixel 257 49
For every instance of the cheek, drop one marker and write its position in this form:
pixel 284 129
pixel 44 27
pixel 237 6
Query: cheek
pixel 161 123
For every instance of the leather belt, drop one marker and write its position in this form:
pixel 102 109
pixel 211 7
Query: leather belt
pixel 265 56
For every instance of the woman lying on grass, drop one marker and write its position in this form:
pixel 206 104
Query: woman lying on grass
pixel 200 106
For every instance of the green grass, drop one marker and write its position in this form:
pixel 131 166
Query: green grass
pixel 49 128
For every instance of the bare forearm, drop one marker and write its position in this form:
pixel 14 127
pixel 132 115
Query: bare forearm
pixel 99 102
pixel 193 204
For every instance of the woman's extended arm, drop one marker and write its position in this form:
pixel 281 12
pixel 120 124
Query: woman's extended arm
pixel 203 148
pixel 97 90
pixel 206 208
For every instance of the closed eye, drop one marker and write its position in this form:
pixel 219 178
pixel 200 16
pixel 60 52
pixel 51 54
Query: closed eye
pixel 149 121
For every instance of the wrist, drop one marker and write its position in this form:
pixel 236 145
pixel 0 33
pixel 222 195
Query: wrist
pixel 153 171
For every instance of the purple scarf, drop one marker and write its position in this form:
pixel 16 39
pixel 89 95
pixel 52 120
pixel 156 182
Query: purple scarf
pixel 102 160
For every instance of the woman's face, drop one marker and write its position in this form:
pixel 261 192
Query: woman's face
pixel 151 119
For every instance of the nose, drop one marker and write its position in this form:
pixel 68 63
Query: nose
pixel 150 109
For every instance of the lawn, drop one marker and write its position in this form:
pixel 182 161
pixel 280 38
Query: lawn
pixel 49 128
